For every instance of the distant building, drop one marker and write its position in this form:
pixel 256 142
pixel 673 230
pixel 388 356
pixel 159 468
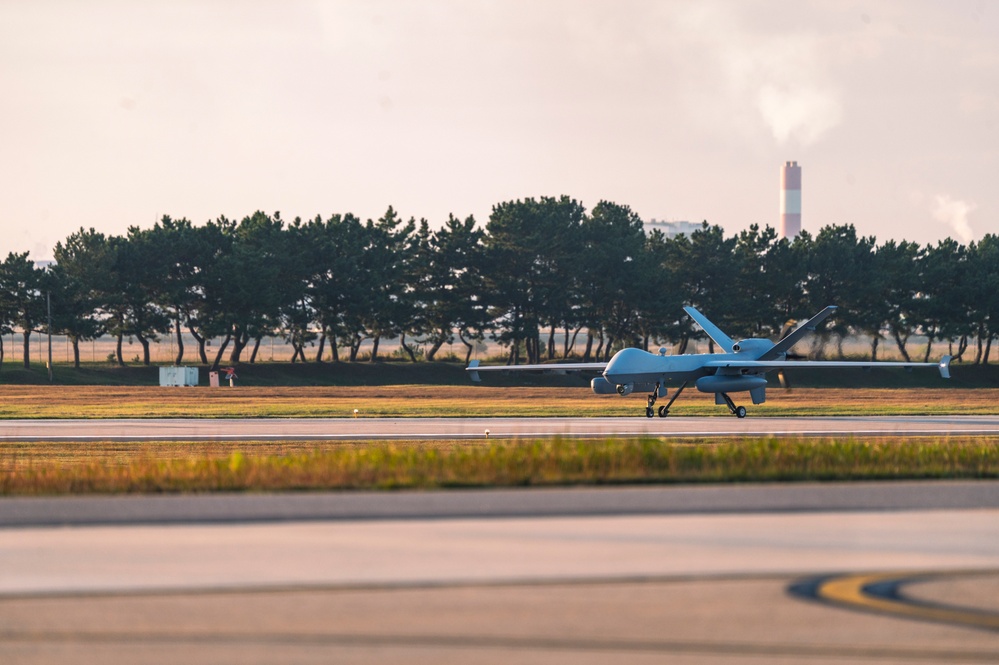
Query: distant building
pixel 671 229
pixel 790 200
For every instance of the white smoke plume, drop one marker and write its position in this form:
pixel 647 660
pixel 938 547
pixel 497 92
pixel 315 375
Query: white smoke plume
pixel 803 113
pixel 781 78
pixel 954 213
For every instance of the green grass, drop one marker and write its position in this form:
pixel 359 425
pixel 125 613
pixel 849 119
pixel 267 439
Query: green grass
pixel 506 464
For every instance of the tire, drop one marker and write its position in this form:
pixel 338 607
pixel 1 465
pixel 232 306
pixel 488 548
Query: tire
pixel 663 412
pixel 649 412
pixel 740 412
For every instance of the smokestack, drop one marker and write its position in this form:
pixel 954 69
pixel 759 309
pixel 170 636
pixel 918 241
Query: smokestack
pixel 790 200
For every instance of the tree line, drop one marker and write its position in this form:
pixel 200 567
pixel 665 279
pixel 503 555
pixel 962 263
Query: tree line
pixel 539 271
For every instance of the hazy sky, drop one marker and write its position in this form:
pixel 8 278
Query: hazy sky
pixel 115 113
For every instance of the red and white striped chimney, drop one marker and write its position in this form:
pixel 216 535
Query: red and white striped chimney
pixel 790 200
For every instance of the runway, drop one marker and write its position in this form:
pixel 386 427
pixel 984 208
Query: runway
pixel 369 429
pixel 824 573
pixel 809 572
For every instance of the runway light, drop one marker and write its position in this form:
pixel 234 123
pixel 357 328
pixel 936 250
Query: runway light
pixel 355 413
pixel 487 434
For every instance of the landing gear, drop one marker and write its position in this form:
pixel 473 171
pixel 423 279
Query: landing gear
pixel 664 409
pixel 649 410
pixel 738 411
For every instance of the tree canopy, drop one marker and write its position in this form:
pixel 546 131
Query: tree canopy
pixel 538 269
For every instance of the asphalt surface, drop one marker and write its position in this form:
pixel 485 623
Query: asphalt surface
pixel 477 428
pixel 826 573
pixel 502 503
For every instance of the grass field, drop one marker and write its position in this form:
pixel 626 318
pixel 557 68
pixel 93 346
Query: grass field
pixel 107 468
pixel 455 401
pixel 110 467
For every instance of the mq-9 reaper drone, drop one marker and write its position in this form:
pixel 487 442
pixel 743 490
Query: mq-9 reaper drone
pixel 741 368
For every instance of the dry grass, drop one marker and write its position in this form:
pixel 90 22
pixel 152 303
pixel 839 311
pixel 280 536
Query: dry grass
pixel 425 401
pixel 109 467
pixel 276 467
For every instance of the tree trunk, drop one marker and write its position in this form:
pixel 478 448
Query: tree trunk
pixel 145 349
pixel 121 361
pixel 355 347
pixel 256 348
pixel 962 346
pixel 874 348
pixel 572 344
pixel 333 348
pixel 180 344
pixel 374 348
pixel 607 348
pixel 322 346
pixel 988 350
pixel 239 342
pixel 201 343
pixel 1 350
pixel 75 341
pixel 929 345
pixel 409 350
pixel 900 343
pixel 711 345
pixel 436 346
pixel 469 347
pixel 551 343
pixel 589 347
pixel 27 349
pixel 514 358
pixel 683 345
pixel 218 356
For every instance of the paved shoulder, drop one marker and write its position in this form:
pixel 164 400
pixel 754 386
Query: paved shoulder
pixel 553 502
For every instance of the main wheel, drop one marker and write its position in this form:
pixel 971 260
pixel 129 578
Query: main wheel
pixel 663 412
pixel 740 412
pixel 649 412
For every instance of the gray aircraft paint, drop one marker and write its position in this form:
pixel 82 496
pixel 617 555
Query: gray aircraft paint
pixel 742 368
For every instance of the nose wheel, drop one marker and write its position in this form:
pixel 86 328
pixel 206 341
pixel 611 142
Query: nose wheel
pixel 663 411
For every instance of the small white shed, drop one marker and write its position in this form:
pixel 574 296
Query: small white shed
pixel 178 376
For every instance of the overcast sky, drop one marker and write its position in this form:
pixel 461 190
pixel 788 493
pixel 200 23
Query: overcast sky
pixel 113 114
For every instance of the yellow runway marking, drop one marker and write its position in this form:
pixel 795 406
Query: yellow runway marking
pixel 855 591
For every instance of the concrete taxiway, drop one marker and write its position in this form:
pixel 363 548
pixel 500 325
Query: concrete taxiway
pixel 825 573
pixel 347 429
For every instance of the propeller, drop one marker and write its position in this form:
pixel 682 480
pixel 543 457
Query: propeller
pixel 782 377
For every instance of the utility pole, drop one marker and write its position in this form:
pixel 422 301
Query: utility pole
pixel 48 303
